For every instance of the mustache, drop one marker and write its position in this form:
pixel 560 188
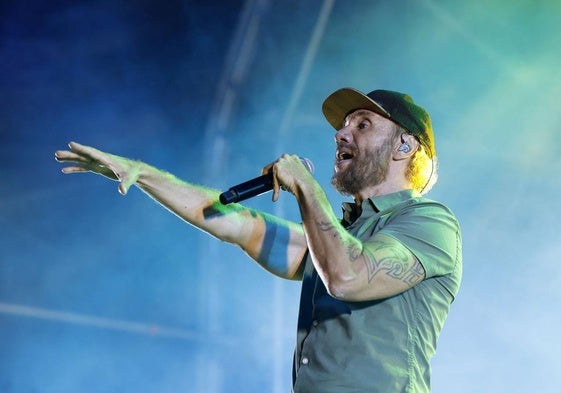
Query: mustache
pixel 345 148
pixel 346 145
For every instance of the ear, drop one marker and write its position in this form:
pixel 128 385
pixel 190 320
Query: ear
pixel 406 147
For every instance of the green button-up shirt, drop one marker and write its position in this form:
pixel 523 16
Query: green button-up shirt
pixel 384 345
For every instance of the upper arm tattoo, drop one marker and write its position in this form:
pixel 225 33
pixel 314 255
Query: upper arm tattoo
pixel 383 256
pixel 394 261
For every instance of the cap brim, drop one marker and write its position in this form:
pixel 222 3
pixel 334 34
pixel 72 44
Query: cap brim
pixel 339 104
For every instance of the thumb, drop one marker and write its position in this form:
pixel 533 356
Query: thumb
pixel 123 189
pixel 275 194
pixel 124 185
pixel 276 187
pixel 127 178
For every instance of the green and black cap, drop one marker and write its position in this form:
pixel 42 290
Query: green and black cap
pixel 397 107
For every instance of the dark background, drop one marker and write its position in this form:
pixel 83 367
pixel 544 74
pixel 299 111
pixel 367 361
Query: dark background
pixel 104 293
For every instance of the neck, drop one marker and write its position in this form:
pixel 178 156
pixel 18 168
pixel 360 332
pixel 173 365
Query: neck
pixel 393 183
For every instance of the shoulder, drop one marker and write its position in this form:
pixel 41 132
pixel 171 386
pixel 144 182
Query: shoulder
pixel 430 230
pixel 425 210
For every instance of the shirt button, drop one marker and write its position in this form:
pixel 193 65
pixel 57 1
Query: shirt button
pixel 305 361
pixel 315 323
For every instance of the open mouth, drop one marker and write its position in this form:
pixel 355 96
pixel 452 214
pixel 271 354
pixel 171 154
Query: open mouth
pixel 344 154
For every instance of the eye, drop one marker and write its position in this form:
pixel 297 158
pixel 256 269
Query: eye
pixel 363 124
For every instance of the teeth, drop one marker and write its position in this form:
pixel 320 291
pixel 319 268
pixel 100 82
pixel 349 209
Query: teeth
pixel 344 153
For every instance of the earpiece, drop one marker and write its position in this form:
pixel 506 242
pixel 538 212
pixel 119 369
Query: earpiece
pixel 404 148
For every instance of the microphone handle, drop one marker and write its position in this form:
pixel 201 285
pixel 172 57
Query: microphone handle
pixel 247 190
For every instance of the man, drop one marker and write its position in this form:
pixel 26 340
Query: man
pixel 376 285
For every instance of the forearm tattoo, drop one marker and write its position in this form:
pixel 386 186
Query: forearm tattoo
pixel 328 227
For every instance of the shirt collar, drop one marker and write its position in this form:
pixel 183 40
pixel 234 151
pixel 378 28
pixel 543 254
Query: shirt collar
pixel 374 205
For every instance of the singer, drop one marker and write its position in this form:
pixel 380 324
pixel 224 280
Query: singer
pixel 377 284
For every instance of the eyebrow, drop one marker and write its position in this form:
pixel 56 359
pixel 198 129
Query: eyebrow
pixel 357 113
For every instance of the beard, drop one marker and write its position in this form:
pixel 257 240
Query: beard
pixel 368 168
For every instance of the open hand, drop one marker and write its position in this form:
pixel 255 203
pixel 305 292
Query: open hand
pixel 89 159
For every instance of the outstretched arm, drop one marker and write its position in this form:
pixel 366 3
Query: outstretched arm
pixel 277 245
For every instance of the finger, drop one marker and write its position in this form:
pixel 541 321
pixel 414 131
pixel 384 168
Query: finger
pixel 75 146
pixel 60 154
pixel 267 169
pixel 78 148
pixel 65 155
pixel 74 169
pixel 87 153
pixel 276 185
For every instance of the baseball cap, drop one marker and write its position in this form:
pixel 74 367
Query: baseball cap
pixel 395 106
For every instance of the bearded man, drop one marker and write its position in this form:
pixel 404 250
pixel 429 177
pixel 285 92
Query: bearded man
pixel 377 284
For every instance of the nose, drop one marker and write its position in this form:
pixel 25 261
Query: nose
pixel 343 135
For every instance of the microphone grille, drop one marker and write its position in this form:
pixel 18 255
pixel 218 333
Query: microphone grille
pixel 308 164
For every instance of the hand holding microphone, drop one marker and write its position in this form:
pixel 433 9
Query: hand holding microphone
pixel 256 186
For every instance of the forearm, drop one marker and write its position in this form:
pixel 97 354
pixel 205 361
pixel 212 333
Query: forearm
pixel 334 251
pixel 193 203
pixel 277 245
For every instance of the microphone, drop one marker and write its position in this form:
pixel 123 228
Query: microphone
pixel 255 187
